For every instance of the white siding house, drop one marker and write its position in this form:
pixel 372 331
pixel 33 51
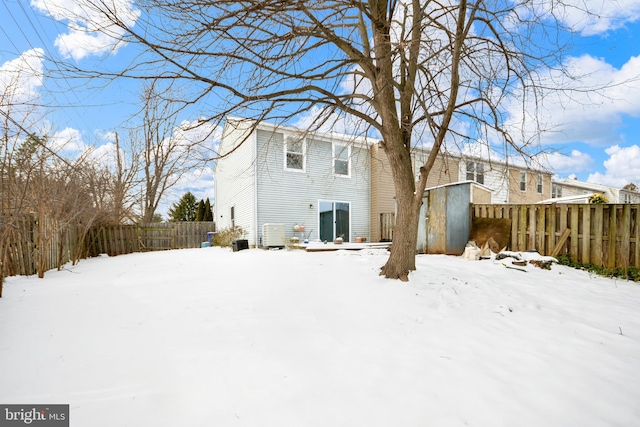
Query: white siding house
pixel 276 174
pixel 572 188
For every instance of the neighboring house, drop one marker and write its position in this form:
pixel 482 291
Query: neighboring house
pixel 508 183
pixel 568 188
pixel 276 174
pixel 383 200
pixel 629 196
pixel 579 189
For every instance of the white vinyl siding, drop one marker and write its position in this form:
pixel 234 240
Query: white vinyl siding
pixel 290 199
pixel 234 183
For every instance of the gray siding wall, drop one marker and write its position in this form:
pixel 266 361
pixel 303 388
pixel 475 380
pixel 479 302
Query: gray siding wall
pixel 292 197
pixel 234 179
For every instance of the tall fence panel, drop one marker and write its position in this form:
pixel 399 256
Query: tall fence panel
pixel 387 223
pixel 30 245
pixel 173 235
pixel 600 234
pixel 112 240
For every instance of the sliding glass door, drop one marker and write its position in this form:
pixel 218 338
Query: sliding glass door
pixel 334 220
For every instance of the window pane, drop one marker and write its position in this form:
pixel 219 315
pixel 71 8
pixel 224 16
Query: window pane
pixel 480 173
pixel 294 147
pixel 342 153
pixel 470 171
pixel 342 167
pixel 523 181
pixel 294 161
pixel 540 184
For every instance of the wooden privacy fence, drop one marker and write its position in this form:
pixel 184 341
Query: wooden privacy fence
pixel 601 234
pixel 29 245
pixel 387 222
pixel 116 240
pixel 112 240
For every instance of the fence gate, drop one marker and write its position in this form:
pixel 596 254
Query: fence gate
pixel 156 237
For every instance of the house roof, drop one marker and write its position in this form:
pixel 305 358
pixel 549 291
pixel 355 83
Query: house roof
pixel 473 184
pixel 332 136
pixel 569 182
pixel 492 161
pixel 580 198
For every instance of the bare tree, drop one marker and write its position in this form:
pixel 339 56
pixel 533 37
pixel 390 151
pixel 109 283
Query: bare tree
pixel 165 149
pixel 414 72
pixel 114 179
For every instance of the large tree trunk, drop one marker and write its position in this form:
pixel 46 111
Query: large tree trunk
pixel 405 235
pixel 402 259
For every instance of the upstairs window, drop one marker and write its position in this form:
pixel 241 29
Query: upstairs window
pixel 475 172
pixel 556 191
pixel 294 154
pixel 539 186
pixel 341 156
pixel 523 181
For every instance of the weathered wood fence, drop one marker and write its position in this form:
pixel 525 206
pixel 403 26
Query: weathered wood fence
pixel 387 222
pixel 601 234
pixel 157 236
pixel 29 245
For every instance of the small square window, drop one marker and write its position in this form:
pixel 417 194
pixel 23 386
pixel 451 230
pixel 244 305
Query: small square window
pixel 475 172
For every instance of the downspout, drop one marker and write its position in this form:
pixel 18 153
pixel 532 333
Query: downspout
pixel 255 188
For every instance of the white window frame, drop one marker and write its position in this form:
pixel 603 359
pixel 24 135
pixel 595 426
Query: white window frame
pixel 337 149
pixel 556 191
pixel 475 172
pixel 539 184
pixel 289 139
pixel 523 181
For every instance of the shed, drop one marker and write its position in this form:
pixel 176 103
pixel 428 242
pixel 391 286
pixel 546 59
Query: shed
pixel 445 217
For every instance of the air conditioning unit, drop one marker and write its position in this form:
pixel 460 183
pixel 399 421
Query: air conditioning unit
pixel 272 235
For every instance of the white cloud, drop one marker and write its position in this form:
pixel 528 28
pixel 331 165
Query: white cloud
pixel 587 107
pixel 20 79
pixel 198 134
pixel 90 32
pixel 589 17
pixel 622 167
pixel 577 161
pixel 68 139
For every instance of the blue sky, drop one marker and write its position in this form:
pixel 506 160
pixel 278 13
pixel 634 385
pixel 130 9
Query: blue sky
pixel 597 136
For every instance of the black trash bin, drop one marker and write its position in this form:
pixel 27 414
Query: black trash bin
pixel 239 245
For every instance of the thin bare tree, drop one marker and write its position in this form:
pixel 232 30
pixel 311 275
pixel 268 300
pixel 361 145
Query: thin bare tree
pixel 165 149
pixel 414 72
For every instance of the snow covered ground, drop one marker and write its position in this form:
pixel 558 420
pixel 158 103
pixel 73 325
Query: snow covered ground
pixel 209 337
